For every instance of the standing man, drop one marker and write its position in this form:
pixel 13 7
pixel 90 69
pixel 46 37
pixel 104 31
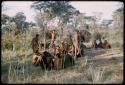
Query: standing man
pixel 53 37
pixel 35 44
pixel 76 43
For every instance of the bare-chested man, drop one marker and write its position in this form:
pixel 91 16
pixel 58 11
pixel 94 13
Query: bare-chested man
pixel 53 37
pixel 76 43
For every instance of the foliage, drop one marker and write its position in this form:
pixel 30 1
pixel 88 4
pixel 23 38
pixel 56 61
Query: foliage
pixel 16 23
pixel 118 17
pixel 61 9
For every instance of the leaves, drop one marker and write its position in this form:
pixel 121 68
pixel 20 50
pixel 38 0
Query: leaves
pixel 54 9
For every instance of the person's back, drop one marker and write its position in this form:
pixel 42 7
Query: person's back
pixel 53 37
pixel 35 44
pixel 34 41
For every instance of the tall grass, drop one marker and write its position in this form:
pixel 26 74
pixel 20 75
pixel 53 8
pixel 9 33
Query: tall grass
pixel 84 72
pixel 15 50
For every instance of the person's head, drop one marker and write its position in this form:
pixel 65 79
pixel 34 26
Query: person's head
pixel 105 40
pixel 54 30
pixel 37 35
pixel 100 39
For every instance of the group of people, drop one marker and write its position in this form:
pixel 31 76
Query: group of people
pixel 105 44
pixel 58 53
pixel 56 58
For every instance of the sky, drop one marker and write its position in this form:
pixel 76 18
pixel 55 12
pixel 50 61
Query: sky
pixel 88 7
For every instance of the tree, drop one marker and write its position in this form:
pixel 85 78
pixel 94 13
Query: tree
pixel 28 25
pixel 42 19
pixel 61 9
pixel 5 19
pixel 4 7
pixel 106 23
pixel 78 21
pixel 19 20
pixel 97 18
pixel 118 16
pixel 7 23
pixel 51 9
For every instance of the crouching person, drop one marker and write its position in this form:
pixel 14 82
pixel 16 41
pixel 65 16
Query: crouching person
pixel 44 59
pixel 106 45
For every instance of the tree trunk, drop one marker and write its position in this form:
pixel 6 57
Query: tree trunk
pixel 44 37
pixel 61 29
pixel 13 47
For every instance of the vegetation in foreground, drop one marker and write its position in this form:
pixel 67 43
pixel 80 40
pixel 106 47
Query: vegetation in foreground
pixel 86 70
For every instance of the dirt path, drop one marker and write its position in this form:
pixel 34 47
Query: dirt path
pixel 102 57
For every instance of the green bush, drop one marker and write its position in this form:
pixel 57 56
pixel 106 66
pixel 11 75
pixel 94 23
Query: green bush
pixel 96 35
pixel 21 42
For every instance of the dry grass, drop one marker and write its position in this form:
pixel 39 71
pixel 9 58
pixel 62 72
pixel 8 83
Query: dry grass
pixel 98 66
pixel 86 70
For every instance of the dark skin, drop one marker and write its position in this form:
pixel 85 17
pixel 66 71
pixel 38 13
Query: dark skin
pixel 100 45
pixel 94 44
pixel 62 60
pixel 57 57
pixel 63 47
pixel 35 44
pixel 44 59
pixel 53 37
pixel 47 45
pixel 57 52
pixel 106 44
